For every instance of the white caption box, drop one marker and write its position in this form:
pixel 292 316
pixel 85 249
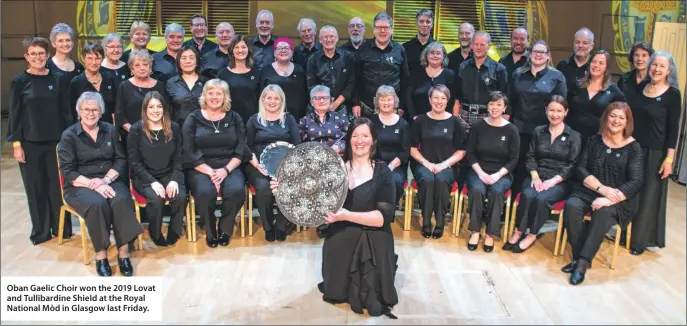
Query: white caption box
pixel 81 298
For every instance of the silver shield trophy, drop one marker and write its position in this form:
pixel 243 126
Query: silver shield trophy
pixel 273 154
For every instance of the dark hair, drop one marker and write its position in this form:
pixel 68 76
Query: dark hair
pixel 424 12
pixel 236 40
pixel 629 126
pixel 607 74
pixel 184 49
pixel 36 41
pixel 348 154
pixel 498 95
pixel 93 48
pixel 199 16
pixel 560 100
pixel 644 45
pixel 166 122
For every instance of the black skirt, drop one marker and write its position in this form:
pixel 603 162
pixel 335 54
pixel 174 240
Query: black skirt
pixel 649 224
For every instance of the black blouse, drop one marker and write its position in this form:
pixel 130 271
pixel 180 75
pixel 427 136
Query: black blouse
pixel 420 85
pixel 108 89
pixel 184 100
pixel 585 113
pixel 119 75
pixel 528 95
pixel 493 147
pixel 259 136
pixel 65 76
pixel 38 108
pixel 392 140
pixel 550 159
pixel 213 143
pixel 152 159
pixel 244 90
pixel 657 120
pixel 130 101
pixel 627 83
pixel 293 85
pixel 437 140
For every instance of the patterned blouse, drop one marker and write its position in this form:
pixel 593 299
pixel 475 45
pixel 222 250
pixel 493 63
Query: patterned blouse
pixel 331 131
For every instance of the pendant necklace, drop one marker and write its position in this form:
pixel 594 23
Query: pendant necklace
pixel 155 134
pixel 216 128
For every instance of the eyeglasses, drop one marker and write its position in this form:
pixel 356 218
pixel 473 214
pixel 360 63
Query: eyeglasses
pixel 383 28
pixel 539 52
pixel 328 37
pixel 283 48
pixel 321 98
pixel 356 26
pixel 198 25
pixel 91 111
pixel 37 54
pixel 113 47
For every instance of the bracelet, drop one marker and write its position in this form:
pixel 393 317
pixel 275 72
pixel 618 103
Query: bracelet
pixel 669 160
pixel 108 181
pixel 534 175
pixel 597 188
pixel 16 144
pixel 227 169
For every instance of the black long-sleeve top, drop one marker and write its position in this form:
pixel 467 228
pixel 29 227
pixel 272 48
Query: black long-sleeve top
pixel 214 143
pixel 529 94
pixel 127 53
pixel 293 85
pixel 108 90
pixel 475 84
pixel 493 147
pixel 511 65
pixel 584 114
pixel 80 155
pixel 559 157
pixel 393 141
pixel 437 140
pixel 208 46
pixel 419 90
pixel 130 101
pixel 337 73
pixel 348 47
pixel 212 62
pixel 263 53
pixel 184 100
pixel 164 66
pixel 657 120
pixel 627 83
pixel 65 76
pixel 119 75
pixel 574 75
pixel 152 159
pixel 455 59
pixel 244 90
pixel 621 168
pixel 301 54
pixel 413 49
pixel 39 109
pixel 259 136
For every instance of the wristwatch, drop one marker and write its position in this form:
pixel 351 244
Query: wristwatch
pixel 227 169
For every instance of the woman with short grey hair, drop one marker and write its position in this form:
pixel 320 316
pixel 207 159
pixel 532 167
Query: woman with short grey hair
pixel 60 64
pixel 322 125
pixel 112 65
pixel 434 72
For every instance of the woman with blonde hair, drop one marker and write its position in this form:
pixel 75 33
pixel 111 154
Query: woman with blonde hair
pixel 139 33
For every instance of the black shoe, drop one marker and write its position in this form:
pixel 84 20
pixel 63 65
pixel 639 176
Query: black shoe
pixel 280 235
pixel 577 276
pixel 172 238
pixel 426 232
pixel 472 247
pixel 488 248
pixel 569 268
pixel 269 236
pixel 509 246
pixel 438 232
pixel 160 242
pixel 636 252
pixel 39 241
pixel 224 239
pixel 102 267
pixel 125 267
pixel 212 242
pixel 518 250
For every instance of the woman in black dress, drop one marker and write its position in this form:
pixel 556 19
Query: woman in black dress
pixel 155 145
pixel 358 257
pixel 657 105
pixel 551 160
pixel 436 145
pixel 289 76
pixel 639 56
pixel 393 136
pixel 611 172
pixel 94 79
pixel 492 152
pixel 185 88
pixel 93 163
pixel 243 79
pixel 589 101
pixel 214 148
pixel 62 39
pixel 113 66
pixel 37 116
pixel 434 72
pixel 271 124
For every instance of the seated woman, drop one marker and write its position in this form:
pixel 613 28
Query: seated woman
pixel 322 125
pixel 493 150
pixel 436 144
pixel 393 134
pixel 359 236
pixel 611 168
pixel 271 124
pixel 92 162
pixel 154 150
pixel 553 153
pixel 214 147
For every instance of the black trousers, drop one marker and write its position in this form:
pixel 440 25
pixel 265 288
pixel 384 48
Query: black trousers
pixel 101 214
pixel 535 207
pixel 264 200
pixel 400 176
pixel 649 225
pixel 585 239
pixel 496 196
pixel 155 205
pixel 233 196
pixel 434 193
pixel 42 187
pixel 521 172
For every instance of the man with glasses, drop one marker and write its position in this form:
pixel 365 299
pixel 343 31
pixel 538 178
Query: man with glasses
pixel 356 35
pixel 464 52
pixel 424 20
pixel 307 29
pixel 380 61
pixel 574 67
pixel 263 43
pixel 199 31
pixel 519 42
pixel 218 58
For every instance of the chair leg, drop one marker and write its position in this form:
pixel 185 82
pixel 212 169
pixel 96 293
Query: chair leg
pixel 189 234
pixel 564 241
pixel 557 244
pixel 616 245
pixel 511 227
pixel 506 227
pixel 61 225
pixel 138 217
pixel 409 211
pixel 192 208
pixel 250 213
pixel 628 236
pixel 459 218
pixel 243 221
pixel 456 217
pixel 84 245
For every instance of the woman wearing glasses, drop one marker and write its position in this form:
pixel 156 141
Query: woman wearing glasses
pixel 322 125
pixel 289 76
pixel 112 65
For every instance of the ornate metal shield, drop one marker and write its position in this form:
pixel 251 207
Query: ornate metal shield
pixel 273 154
pixel 313 181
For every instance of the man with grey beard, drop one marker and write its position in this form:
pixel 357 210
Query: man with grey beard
pixel 356 35
pixel 464 52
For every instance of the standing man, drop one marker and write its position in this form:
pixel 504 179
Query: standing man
pixel 574 68
pixel 164 62
pixel 218 58
pixel 263 43
pixel 308 32
pixel 199 30
pixel 356 35
pixel 464 52
pixel 380 61
pixel 519 42
pixel 424 20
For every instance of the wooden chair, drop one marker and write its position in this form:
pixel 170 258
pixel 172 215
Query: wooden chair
pixel 410 192
pixel 616 244
pixel 557 210
pixel 463 208
pixel 141 202
pixel 192 208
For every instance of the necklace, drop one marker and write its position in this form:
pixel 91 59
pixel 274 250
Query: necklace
pixel 216 128
pixel 100 78
pixel 155 134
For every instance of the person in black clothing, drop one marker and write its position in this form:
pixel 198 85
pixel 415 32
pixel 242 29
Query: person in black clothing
pixel 307 29
pixel 214 148
pixel 358 257
pixel 380 61
pixel 199 30
pixel 154 148
pixel 94 79
pixel 436 145
pixel 464 52
pixel 37 116
pixel 639 58
pixel 551 159
pixel 164 62
pixel 433 62
pixel 424 20
pixel 93 165
pixel 62 39
pixel 590 100
pixel 185 88
pixel 393 136
pixel 218 58
pixel 575 67
pixel 288 75
pixel 610 174
pixel 657 104
pixel 271 124
pixel 243 78
pixel 112 65
pixel 492 152
pixel 517 57
pixel 263 43
pixel 139 34
pixel 356 35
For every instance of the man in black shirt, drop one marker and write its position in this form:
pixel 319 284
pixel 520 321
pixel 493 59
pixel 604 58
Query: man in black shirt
pixel 164 62
pixel 518 54
pixel 463 53
pixel 308 31
pixel 263 43
pixel 199 41
pixel 218 58
pixel 380 61
pixel 356 35
pixel 424 20
pixel 574 67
